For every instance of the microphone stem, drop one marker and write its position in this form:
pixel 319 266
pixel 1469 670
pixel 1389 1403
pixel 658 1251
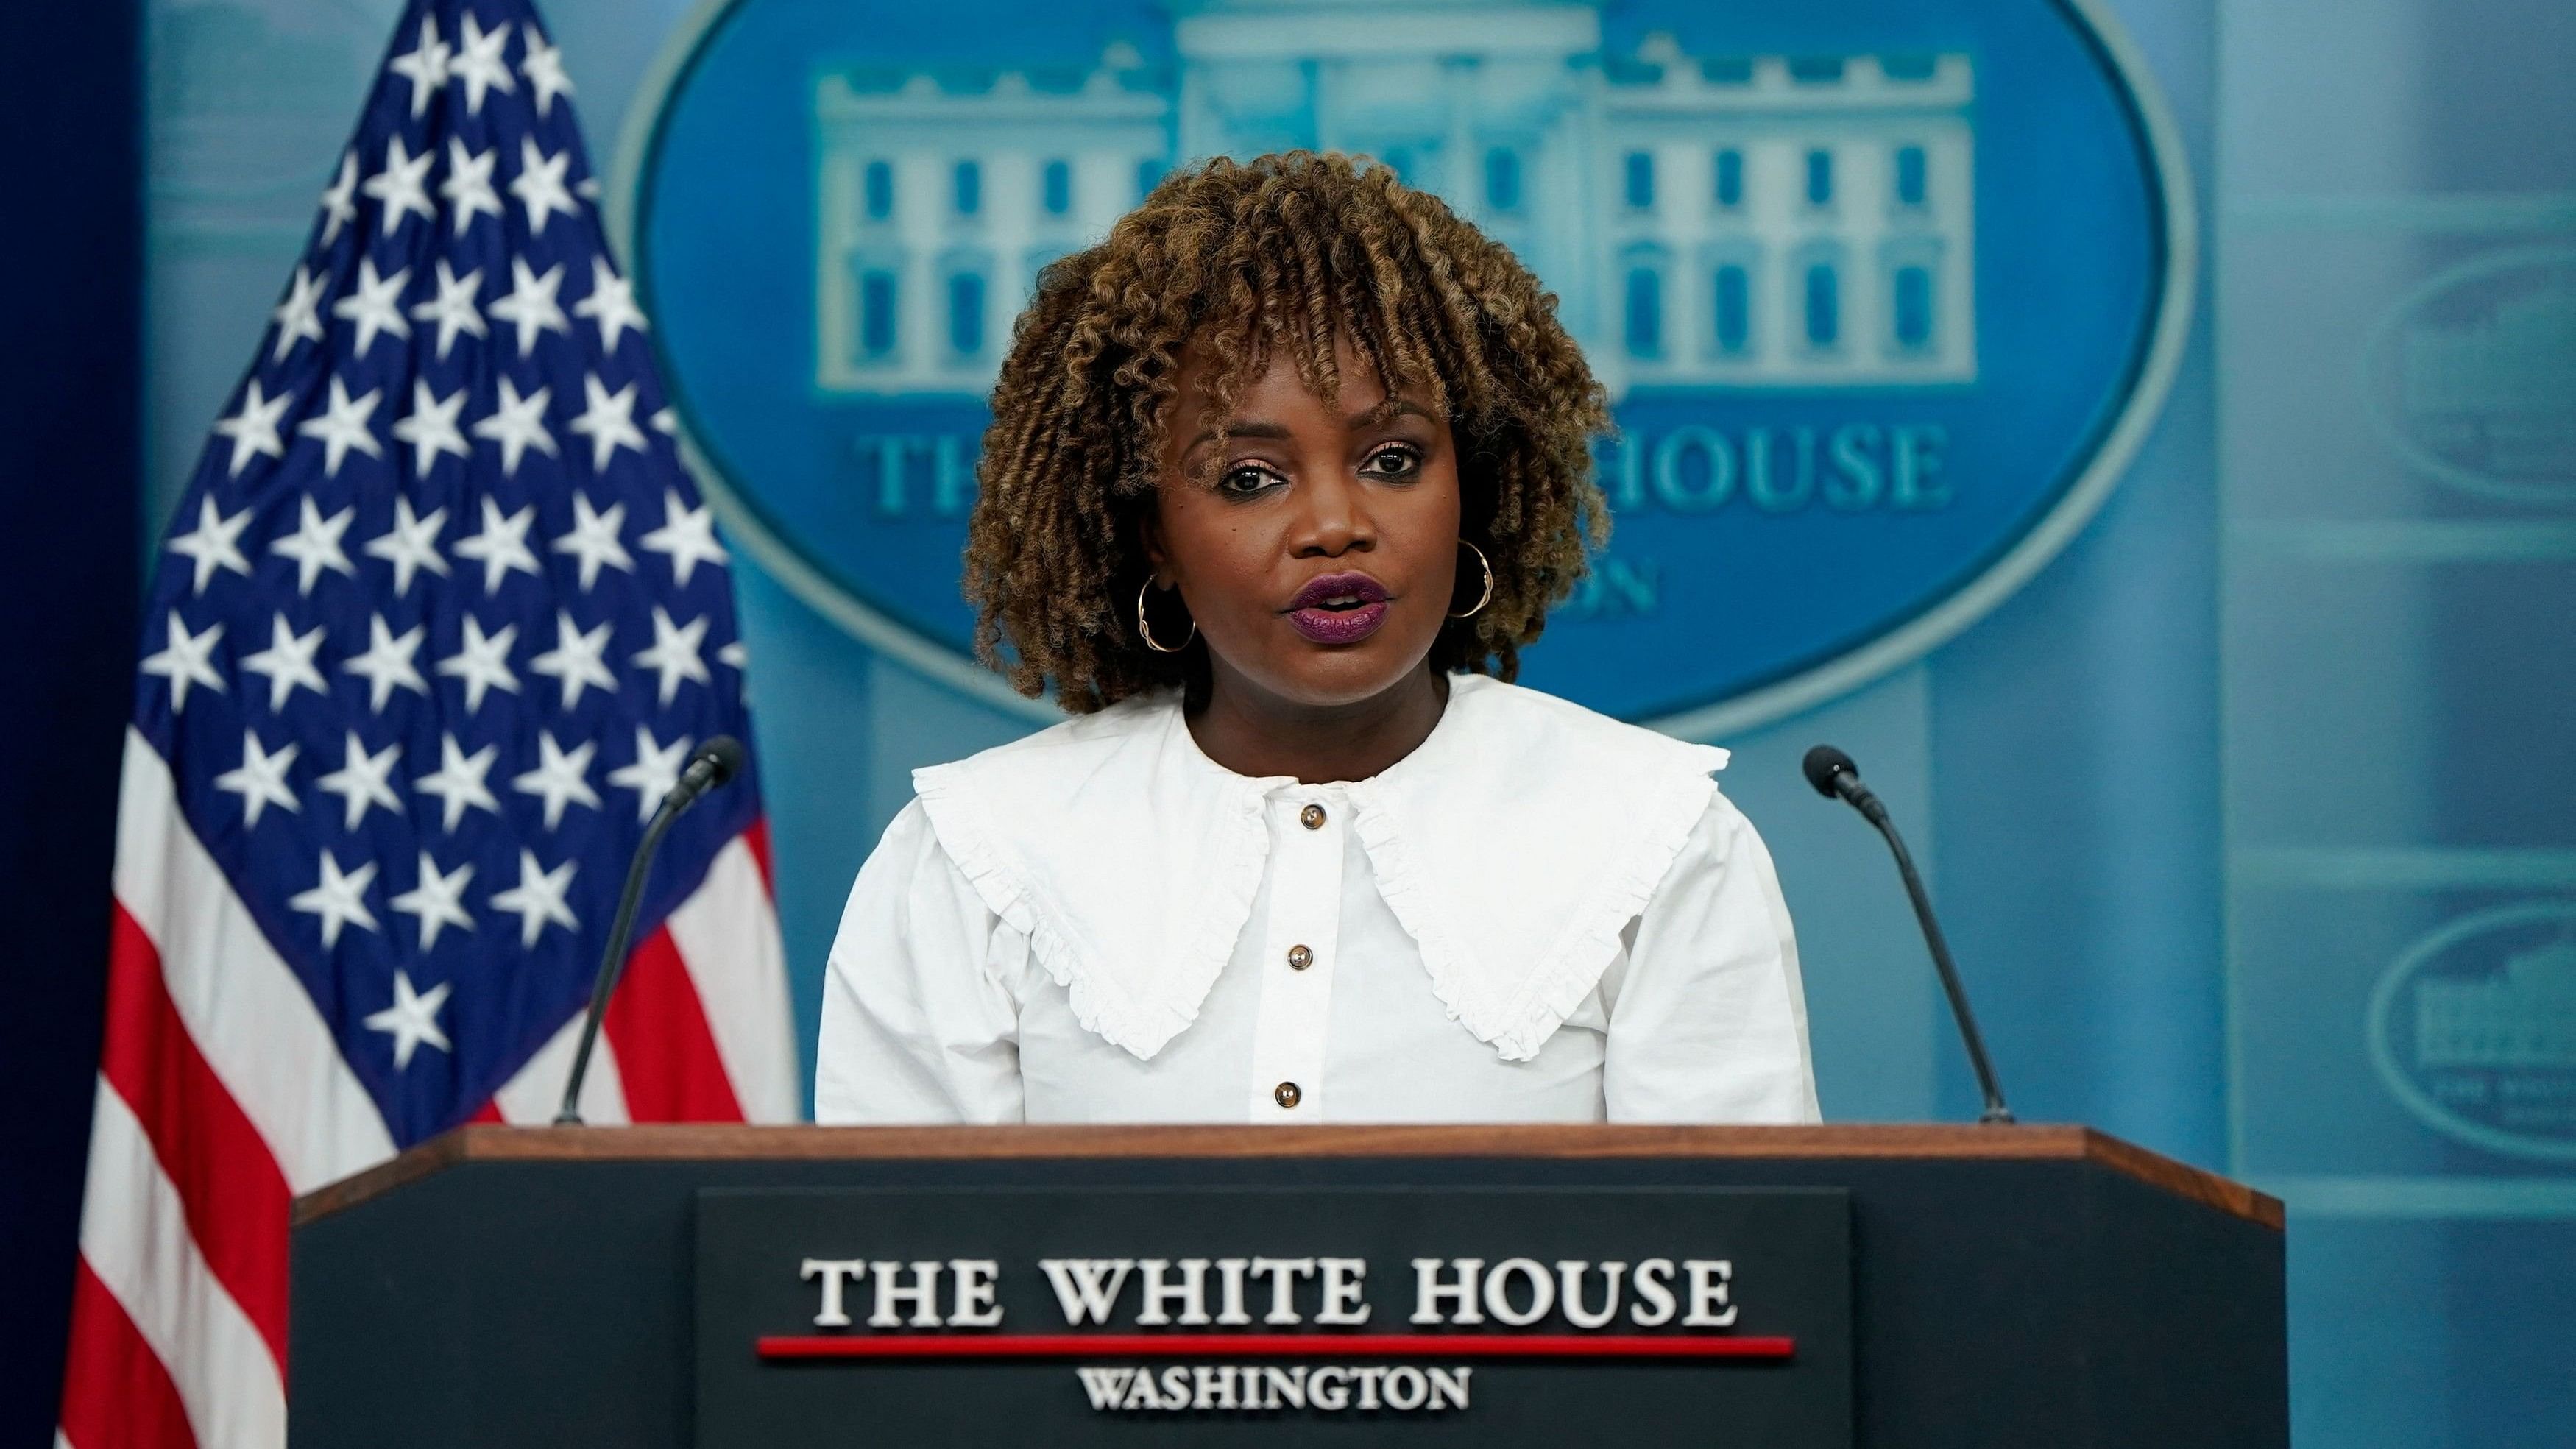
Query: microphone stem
pixel 1995 1110
pixel 612 963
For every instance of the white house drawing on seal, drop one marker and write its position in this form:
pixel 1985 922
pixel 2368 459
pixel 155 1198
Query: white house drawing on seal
pixel 2499 387
pixel 2522 1017
pixel 1764 221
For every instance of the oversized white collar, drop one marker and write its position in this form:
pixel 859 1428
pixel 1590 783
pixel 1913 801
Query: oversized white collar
pixel 1514 845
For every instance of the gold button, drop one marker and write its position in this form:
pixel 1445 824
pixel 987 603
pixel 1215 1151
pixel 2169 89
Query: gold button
pixel 1299 958
pixel 1312 817
pixel 1287 1094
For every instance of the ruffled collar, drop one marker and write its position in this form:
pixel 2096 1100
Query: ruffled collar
pixel 1514 845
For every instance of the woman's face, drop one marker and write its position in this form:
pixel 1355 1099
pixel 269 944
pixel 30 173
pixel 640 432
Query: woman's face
pixel 1320 559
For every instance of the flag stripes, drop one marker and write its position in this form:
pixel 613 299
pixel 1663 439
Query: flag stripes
pixel 439 622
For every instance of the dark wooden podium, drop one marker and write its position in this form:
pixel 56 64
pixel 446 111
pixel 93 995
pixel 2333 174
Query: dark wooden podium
pixel 2008 1286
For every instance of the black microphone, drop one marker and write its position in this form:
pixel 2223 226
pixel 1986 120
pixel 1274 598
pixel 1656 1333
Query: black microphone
pixel 716 761
pixel 1836 777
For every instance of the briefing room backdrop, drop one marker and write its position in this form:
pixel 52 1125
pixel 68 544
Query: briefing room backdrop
pixel 2251 811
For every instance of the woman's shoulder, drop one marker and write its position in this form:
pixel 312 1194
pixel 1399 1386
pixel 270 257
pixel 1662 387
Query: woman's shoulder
pixel 1511 725
pixel 1070 748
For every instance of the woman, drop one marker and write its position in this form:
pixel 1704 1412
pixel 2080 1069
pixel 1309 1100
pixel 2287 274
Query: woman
pixel 1281 478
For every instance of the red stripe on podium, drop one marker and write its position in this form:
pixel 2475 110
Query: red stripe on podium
pixel 1271 1345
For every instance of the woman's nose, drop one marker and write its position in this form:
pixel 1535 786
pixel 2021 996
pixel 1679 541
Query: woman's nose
pixel 1335 518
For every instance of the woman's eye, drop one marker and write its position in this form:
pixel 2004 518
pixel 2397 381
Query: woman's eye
pixel 1394 462
pixel 1245 479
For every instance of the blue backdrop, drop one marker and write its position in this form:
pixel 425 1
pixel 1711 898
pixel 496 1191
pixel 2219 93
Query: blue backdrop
pixel 2250 814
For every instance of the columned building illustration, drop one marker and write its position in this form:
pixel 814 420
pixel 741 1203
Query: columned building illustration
pixel 1759 221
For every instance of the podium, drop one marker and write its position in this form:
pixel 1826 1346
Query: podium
pixel 1880 1286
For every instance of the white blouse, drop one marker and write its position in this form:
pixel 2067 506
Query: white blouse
pixel 1540 915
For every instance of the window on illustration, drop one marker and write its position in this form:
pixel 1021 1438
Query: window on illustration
pixel 876 315
pixel 879 189
pixel 1645 313
pixel 1503 179
pixel 966 313
pixel 1733 291
pixel 1823 306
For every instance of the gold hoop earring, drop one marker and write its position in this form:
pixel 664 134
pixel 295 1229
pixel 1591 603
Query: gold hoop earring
pixel 1146 630
pixel 1484 598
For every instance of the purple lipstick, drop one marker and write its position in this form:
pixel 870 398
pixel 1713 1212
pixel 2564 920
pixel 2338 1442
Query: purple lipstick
pixel 1339 608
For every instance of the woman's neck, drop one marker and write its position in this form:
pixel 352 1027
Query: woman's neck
pixel 1253 732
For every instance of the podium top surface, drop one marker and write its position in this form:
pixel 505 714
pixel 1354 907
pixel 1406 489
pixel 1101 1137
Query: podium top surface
pixel 731 1143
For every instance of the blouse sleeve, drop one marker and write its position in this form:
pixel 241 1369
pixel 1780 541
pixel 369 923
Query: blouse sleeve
pixel 1709 1022
pixel 917 1027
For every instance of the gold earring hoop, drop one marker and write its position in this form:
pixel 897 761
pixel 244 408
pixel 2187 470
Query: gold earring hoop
pixel 1146 630
pixel 1487 596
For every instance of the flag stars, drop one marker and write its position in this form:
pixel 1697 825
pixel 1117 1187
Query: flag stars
pixel 411 544
pixel 482 661
pixel 343 426
pixel 458 781
pixel 438 901
pixel 611 304
pixel 288 662
pixel 387 663
pixel 214 544
pixel 186 659
pixel 478 63
pixel 542 64
pixel 413 1018
pixel 338 900
pixel 687 536
pixel 518 424
pixel 540 184
pixel 260 779
pixel 530 303
pixel 608 420
pixel 674 654
pixel 468 187
pixel 453 308
pixel 654 774
pixel 561 777
pixel 539 898
pixel 315 545
pixel 254 429
pixel 430 426
pixel 502 545
pixel 425 66
pixel 400 187
pixel 594 539
pixel 339 208
pixel 364 781
pixel 375 307
pixel 578 661
pixel 299 317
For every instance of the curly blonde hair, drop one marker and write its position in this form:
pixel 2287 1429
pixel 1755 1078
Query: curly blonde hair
pixel 1233 260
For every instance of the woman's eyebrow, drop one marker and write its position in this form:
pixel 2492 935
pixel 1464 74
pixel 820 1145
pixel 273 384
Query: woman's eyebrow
pixel 1280 432
pixel 1245 429
pixel 1393 407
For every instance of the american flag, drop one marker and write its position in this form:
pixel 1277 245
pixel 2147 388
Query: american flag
pixel 437 624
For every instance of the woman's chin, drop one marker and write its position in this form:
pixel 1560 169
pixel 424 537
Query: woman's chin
pixel 1327 675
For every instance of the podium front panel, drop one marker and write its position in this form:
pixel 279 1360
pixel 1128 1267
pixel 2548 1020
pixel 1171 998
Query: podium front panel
pixel 532 1290
pixel 1288 1315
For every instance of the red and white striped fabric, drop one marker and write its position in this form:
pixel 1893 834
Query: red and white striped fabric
pixel 222 1096
pixel 438 624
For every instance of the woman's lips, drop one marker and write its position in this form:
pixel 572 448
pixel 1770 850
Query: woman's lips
pixel 1339 608
pixel 1338 626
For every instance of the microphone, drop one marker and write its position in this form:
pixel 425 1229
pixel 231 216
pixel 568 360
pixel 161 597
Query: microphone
pixel 1836 777
pixel 717 761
